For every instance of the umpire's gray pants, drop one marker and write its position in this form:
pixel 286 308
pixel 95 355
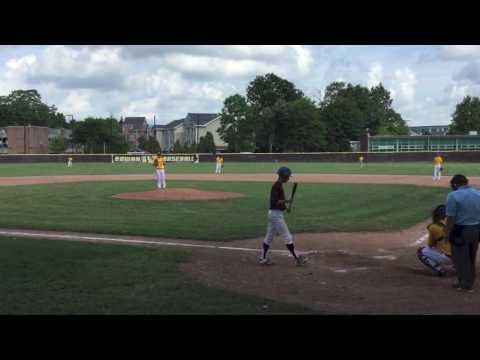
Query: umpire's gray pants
pixel 464 253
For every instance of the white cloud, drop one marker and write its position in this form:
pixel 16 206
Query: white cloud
pixel 404 85
pixel 375 75
pixel 77 102
pixel 460 52
pixel 21 63
pixel 144 107
pixel 212 67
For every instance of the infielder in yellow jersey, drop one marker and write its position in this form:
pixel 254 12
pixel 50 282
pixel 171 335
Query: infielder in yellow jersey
pixel 219 164
pixel 437 254
pixel 437 167
pixel 159 163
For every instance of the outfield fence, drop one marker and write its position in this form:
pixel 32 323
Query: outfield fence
pixel 417 156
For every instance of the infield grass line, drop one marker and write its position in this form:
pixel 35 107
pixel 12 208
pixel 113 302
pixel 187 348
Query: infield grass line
pixel 131 241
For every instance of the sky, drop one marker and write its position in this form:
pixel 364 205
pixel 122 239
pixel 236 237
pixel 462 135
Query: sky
pixel 169 81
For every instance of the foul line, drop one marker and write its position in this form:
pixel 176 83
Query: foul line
pixel 420 240
pixel 129 241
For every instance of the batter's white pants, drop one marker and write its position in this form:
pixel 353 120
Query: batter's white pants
pixel 218 169
pixel 69 164
pixel 437 174
pixel 277 225
pixel 161 179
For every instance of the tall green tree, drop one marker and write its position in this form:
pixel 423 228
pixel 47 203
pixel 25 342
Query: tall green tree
pixel 152 145
pixel 97 135
pixel 25 107
pixel 235 124
pixel 341 119
pixel 466 116
pixel 267 96
pixel 305 131
pixel 348 110
pixel 207 144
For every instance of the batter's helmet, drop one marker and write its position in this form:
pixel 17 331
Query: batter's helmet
pixel 284 171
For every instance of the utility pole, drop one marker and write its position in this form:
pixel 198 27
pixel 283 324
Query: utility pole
pixel 154 128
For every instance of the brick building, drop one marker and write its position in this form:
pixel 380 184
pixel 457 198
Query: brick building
pixel 134 128
pixel 27 139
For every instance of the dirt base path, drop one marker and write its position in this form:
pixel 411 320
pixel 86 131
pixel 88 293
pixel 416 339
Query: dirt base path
pixel 311 178
pixel 347 273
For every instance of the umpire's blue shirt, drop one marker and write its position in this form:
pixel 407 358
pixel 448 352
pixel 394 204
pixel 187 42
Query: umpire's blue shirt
pixel 464 205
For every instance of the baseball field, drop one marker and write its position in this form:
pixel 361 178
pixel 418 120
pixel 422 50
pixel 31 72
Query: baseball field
pixel 100 239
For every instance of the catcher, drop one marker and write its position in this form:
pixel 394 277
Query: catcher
pixel 437 254
pixel 276 221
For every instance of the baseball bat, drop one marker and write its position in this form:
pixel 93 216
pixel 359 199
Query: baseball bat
pixel 294 190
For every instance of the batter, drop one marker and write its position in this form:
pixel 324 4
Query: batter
pixel 276 221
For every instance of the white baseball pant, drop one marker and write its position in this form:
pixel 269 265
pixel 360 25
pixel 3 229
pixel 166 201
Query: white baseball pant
pixel 437 174
pixel 218 169
pixel 277 225
pixel 161 179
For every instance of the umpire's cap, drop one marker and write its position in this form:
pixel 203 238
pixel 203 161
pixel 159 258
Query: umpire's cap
pixel 284 171
pixel 459 179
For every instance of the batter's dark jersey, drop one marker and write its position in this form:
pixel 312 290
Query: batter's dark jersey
pixel 276 194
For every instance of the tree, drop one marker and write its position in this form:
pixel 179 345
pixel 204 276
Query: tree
pixel 142 140
pixel 207 144
pixel 25 107
pixel 152 145
pixel 267 96
pixel 178 148
pixel 97 135
pixel 235 125
pixel 57 145
pixel 341 118
pixel 466 116
pixel 304 129
pixel 348 110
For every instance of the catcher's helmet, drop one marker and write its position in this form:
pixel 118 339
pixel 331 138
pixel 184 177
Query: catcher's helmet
pixel 284 171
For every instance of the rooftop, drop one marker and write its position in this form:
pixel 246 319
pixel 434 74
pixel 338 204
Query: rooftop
pixel 201 118
pixel 136 122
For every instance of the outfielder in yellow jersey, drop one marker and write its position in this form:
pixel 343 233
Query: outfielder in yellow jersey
pixel 219 164
pixel 437 167
pixel 160 163
pixel 437 254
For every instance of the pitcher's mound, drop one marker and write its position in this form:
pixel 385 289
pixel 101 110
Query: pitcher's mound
pixel 178 194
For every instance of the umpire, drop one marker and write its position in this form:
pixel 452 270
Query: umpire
pixel 463 229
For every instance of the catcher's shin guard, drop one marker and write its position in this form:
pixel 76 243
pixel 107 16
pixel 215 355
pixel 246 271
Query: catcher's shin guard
pixel 431 264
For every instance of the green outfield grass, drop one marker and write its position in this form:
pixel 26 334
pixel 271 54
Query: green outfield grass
pixel 56 277
pixel 413 168
pixel 89 207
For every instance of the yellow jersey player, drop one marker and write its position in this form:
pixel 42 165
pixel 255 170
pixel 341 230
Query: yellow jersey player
pixel 69 162
pixel 360 159
pixel 437 167
pixel 218 167
pixel 437 254
pixel 159 163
